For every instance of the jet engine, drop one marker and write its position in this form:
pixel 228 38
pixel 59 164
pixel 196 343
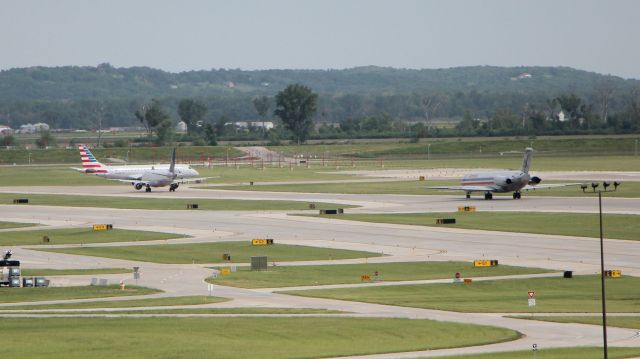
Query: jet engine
pixel 138 186
pixel 535 180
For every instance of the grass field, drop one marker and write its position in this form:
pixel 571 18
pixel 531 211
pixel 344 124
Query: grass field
pixel 9 225
pixel 469 147
pixel 196 310
pixel 558 353
pixel 161 203
pixel 628 189
pixel 282 276
pixel 134 155
pixel 241 252
pixel 64 176
pixel 54 272
pixel 331 170
pixel 15 295
pixel 232 338
pixel 80 235
pixel 612 321
pixel 154 302
pixel 620 226
pixel 579 294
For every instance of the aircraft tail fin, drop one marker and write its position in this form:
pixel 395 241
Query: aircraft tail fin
pixel 89 162
pixel 172 167
pixel 526 162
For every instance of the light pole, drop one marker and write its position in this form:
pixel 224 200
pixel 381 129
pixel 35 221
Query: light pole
pixel 605 185
pixel 428 151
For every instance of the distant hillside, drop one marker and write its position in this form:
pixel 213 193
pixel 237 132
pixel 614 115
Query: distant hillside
pixel 72 96
pixel 105 81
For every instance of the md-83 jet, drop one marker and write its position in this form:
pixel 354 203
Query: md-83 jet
pixel 503 181
pixel 146 176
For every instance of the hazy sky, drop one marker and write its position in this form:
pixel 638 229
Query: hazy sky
pixel 599 36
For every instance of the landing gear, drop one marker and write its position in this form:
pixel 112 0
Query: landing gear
pixel 137 186
pixel 488 195
pixel 148 189
pixel 468 195
pixel 173 187
pixel 517 195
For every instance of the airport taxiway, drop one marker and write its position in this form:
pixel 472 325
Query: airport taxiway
pixel 400 242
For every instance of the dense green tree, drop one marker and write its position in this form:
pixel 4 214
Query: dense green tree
pixel 46 139
pixel 192 113
pixel 156 120
pixel 8 140
pixel 262 105
pixel 296 105
pixel 210 135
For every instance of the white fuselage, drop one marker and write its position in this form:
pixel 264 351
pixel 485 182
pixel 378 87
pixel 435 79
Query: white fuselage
pixel 503 181
pixel 155 175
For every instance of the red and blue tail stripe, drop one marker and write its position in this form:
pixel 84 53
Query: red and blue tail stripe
pixel 89 162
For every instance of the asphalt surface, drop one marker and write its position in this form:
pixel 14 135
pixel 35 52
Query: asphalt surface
pixel 397 242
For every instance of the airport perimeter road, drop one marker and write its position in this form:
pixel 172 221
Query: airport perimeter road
pixel 370 203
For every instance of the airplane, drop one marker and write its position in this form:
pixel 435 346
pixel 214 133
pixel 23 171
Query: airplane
pixel 504 181
pixel 140 176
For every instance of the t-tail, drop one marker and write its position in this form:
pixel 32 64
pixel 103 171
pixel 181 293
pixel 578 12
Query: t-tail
pixel 89 163
pixel 526 163
pixel 172 167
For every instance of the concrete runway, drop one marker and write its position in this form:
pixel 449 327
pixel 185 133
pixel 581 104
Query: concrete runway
pixel 399 242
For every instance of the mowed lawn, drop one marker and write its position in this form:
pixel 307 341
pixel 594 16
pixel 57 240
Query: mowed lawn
pixel 557 353
pixel 283 276
pixel 15 295
pixel 80 235
pixel 240 338
pixel 8 225
pixel 575 295
pixel 54 272
pixel 153 302
pixel 64 176
pixel 241 252
pixel 618 226
pixel 161 203
pixel 612 321
pixel 415 187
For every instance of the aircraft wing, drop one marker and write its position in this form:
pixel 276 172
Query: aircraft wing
pixel 136 180
pixel 79 169
pixel 192 180
pixel 550 185
pixel 467 188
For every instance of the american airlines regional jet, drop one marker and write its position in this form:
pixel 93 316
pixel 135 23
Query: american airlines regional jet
pixel 140 176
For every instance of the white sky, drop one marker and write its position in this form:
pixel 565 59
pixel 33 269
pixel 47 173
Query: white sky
pixel 184 35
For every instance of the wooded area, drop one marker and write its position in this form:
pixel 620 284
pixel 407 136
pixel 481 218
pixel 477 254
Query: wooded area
pixel 358 102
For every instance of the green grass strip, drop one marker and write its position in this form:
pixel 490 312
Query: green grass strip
pixel 154 302
pixel 282 276
pixel 7 225
pixel 80 236
pixel 627 190
pixel 553 295
pixel 619 226
pixel 214 311
pixel 240 338
pixel 241 252
pixel 612 321
pixel 15 295
pixel 161 203
pixel 55 272
pixel 558 353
